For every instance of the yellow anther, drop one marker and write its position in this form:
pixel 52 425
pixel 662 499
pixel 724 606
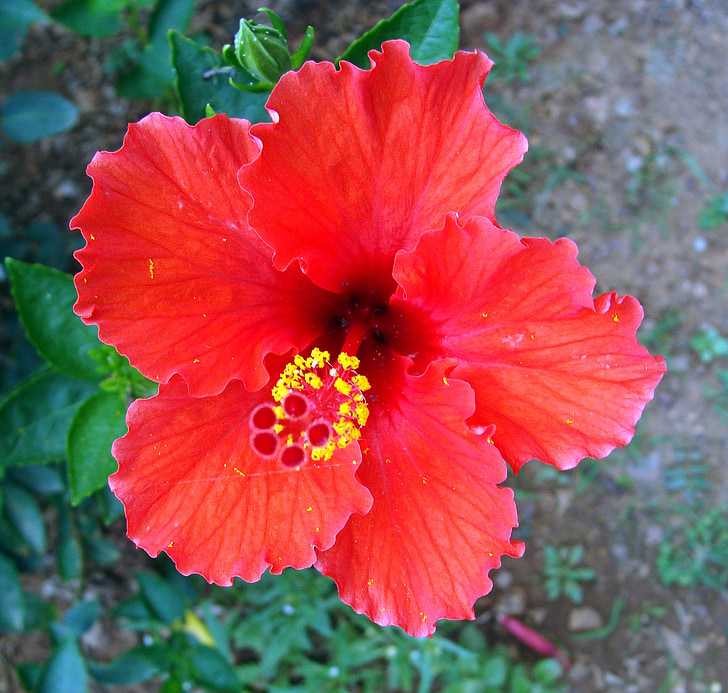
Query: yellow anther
pixel 348 362
pixel 342 386
pixel 362 413
pixel 361 382
pixel 313 380
pixel 319 357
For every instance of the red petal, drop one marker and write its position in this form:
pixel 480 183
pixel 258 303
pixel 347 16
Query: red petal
pixel 439 523
pixel 194 488
pixel 360 163
pixel 561 376
pixel 173 276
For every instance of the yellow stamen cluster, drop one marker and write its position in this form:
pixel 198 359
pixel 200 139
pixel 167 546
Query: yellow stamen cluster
pixel 334 400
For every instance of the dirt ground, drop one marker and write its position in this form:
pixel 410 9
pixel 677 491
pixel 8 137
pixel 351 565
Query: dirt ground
pixel 626 113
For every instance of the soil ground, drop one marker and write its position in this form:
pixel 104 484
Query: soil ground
pixel 626 113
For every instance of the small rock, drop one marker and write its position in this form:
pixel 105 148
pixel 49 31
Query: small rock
pixel 700 245
pixel 678 649
pixel 623 107
pixel 617 27
pixel 503 579
pixel 66 190
pixel 512 602
pixel 593 24
pixel 569 11
pixel 584 618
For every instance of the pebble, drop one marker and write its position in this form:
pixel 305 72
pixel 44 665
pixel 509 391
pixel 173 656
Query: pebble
pixel 66 190
pixel 623 107
pixel 678 649
pixel 584 618
pixel 503 579
pixel 700 245
pixel 513 602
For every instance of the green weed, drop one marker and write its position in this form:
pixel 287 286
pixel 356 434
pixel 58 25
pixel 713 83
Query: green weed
pixel 512 57
pixel 697 552
pixel 563 573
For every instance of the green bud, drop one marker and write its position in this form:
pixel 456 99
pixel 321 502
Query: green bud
pixel 261 54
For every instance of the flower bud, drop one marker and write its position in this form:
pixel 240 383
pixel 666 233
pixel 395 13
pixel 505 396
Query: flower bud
pixel 262 55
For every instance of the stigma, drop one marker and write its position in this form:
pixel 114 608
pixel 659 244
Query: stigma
pixel 318 407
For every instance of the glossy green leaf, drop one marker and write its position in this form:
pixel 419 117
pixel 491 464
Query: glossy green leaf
pixel 130 667
pixel 44 298
pixel 98 422
pixel 65 671
pixel 31 115
pixel 200 81
pixel 429 26
pixel 12 607
pixel 35 416
pixel 23 513
pixel 211 670
pixel 91 17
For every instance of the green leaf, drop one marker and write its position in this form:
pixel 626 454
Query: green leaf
pixel 547 671
pixel 161 597
pixel 91 17
pixel 25 516
pixel 153 74
pixel 211 670
pixel 41 480
pixel 15 18
pixel 65 671
pixel 44 298
pixel 18 14
pixel 80 617
pixel 169 15
pixel 130 667
pixel 200 81
pixel 69 557
pixel 38 613
pixel 31 115
pixel 98 422
pixel 12 611
pixel 35 416
pixel 101 550
pixel 430 27
pixel 150 77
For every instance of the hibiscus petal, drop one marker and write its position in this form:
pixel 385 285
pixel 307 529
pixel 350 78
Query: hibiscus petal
pixel 560 375
pixel 194 488
pixel 439 522
pixel 360 163
pixel 172 274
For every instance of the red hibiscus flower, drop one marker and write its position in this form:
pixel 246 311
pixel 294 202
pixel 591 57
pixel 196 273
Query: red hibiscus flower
pixel 348 348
